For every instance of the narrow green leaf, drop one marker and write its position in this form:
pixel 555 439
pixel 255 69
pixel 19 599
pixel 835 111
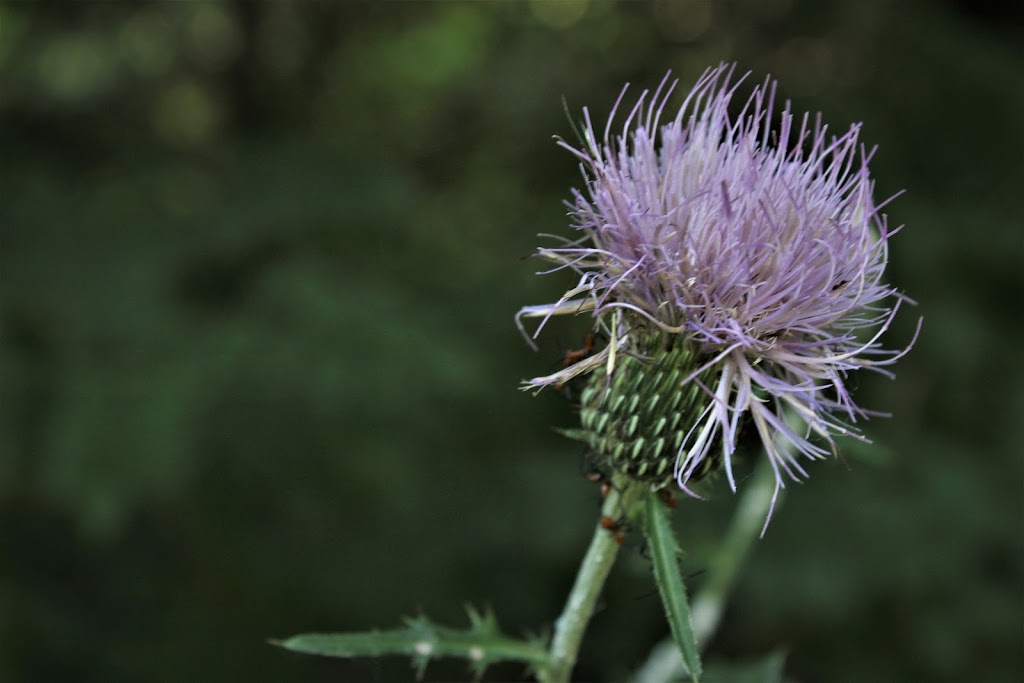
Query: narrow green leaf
pixel 481 644
pixel 664 556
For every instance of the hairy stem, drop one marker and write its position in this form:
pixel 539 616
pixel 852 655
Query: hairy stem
pixel 620 505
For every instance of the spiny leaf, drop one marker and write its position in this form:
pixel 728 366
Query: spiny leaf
pixel 664 554
pixel 421 640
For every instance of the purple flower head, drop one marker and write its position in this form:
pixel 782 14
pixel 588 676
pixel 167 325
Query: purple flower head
pixel 759 248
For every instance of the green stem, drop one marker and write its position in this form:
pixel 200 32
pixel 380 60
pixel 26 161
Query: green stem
pixel 620 504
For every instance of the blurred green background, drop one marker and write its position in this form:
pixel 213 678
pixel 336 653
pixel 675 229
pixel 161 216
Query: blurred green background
pixel 258 370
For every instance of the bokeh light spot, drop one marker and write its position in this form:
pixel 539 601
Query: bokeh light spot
pixel 75 67
pixel 559 13
pixel 144 44
pixel 186 114
pixel 214 37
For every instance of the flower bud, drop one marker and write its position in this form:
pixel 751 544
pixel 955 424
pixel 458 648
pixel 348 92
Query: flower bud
pixel 637 420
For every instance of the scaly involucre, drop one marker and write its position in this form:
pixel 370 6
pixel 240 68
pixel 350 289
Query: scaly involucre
pixel 762 247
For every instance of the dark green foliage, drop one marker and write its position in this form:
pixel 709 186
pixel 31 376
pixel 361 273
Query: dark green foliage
pixel 767 669
pixel 258 266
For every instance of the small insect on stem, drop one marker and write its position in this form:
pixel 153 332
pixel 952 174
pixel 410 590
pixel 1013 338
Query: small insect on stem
pixel 615 527
pixel 573 356
pixel 602 479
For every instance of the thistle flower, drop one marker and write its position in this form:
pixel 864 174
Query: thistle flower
pixel 735 271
